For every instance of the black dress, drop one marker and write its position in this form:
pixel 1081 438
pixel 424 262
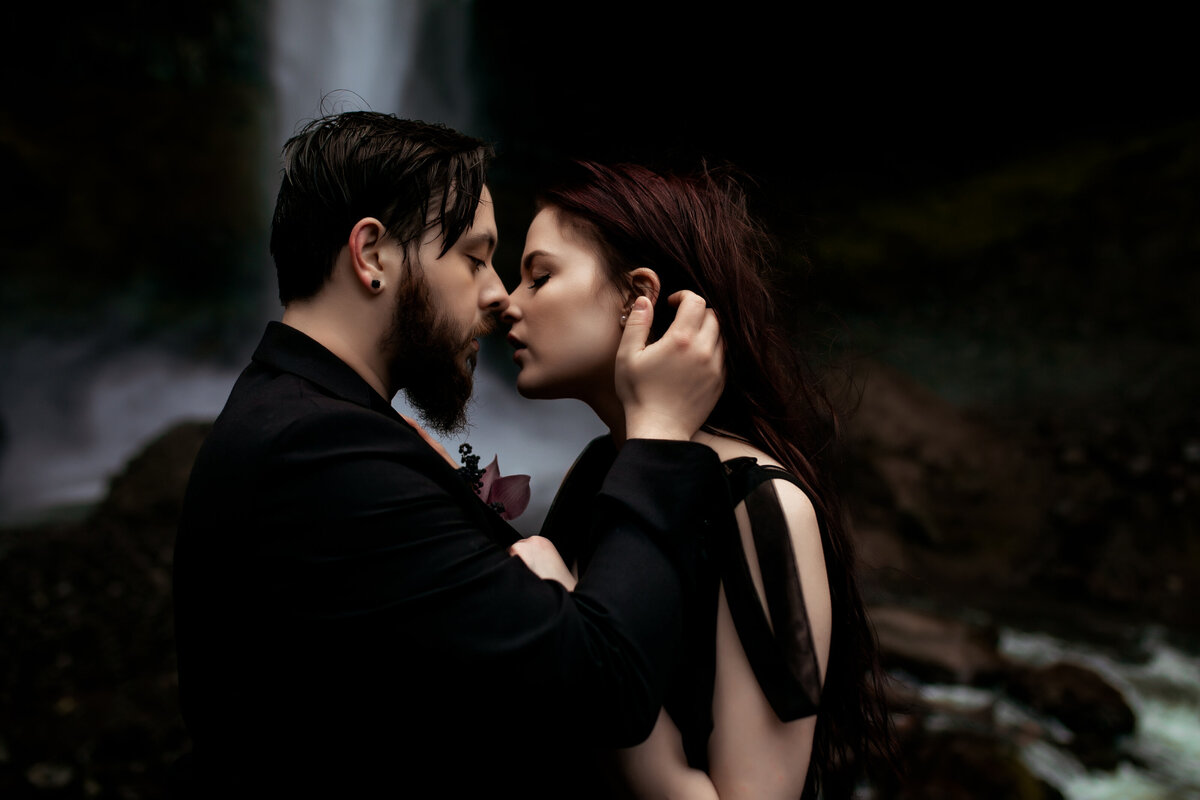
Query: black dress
pixel 784 662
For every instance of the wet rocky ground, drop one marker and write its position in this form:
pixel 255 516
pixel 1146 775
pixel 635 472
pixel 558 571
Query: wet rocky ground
pixel 88 682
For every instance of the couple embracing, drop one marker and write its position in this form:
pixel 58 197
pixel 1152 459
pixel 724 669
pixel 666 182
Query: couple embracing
pixel 352 620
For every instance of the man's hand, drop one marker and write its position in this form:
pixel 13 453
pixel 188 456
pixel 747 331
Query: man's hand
pixel 542 557
pixel 669 388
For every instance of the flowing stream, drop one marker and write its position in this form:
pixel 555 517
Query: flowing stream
pixel 1160 681
pixel 1162 687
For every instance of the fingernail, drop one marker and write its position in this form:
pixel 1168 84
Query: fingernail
pixel 641 303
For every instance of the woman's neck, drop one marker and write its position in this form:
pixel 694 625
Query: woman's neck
pixel 607 406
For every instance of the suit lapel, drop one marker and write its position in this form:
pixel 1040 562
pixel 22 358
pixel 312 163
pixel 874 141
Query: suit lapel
pixel 286 349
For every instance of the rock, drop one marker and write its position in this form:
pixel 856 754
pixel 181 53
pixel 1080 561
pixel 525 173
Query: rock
pixel 954 765
pixel 48 775
pixel 151 486
pixel 941 467
pixel 1095 711
pixel 89 674
pixel 946 503
pixel 936 648
pixel 1027 518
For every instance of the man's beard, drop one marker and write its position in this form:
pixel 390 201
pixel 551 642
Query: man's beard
pixel 425 358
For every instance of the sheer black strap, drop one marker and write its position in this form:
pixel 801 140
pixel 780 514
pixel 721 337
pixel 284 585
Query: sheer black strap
pixel 784 661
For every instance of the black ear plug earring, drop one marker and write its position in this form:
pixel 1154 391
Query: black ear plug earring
pixel 375 283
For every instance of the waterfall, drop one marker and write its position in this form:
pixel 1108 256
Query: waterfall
pixel 407 58
pixel 411 59
pixel 73 411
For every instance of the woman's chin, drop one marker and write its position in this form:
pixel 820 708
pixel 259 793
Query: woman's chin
pixel 534 390
pixel 527 388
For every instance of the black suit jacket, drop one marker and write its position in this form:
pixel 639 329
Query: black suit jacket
pixel 348 619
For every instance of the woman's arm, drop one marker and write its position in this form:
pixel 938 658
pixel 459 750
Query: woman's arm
pixel 658 768
pixel 752 754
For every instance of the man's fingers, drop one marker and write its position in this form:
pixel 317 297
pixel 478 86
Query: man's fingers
pixel 637 328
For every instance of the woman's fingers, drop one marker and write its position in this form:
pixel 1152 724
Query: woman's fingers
pixel 637 329
pixel 695 320
pixel 668 388
pixel 689 311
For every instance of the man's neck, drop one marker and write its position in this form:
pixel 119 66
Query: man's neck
pixel 346 341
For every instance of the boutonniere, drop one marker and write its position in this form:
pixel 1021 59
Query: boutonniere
pixel 507 495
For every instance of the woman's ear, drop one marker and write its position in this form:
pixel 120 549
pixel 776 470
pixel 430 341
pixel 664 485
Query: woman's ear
pixel 366 251
pixel 645 282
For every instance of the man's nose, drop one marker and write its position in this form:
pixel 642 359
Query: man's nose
pixel 493 296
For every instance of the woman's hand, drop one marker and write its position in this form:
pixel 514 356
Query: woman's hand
pixel 669 388
pixel 541 556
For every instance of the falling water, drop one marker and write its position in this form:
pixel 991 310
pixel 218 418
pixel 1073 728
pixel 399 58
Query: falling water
pixel 413 62
pixel 74 410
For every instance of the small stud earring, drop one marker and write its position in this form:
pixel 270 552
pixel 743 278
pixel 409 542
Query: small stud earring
pixel 375 284
pixel 623 317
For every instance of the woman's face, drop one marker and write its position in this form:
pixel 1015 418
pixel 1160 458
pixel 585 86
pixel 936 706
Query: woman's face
pixel 565 314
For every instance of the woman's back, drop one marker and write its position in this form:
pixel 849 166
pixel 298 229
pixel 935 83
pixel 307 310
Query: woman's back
pixel 742 701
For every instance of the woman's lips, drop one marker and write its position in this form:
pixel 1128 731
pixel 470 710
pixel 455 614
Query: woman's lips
pixel 518 347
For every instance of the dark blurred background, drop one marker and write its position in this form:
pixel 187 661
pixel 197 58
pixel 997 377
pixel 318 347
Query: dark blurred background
pixel 988 245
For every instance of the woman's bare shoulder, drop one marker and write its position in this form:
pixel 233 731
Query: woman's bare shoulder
pixel 729 447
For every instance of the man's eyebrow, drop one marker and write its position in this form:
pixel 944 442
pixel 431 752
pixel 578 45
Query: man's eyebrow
pixel 486 238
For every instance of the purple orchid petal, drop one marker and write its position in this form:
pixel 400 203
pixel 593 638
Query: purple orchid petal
pixel 513 492
pixel 490 473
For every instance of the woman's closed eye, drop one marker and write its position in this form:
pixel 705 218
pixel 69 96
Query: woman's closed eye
pixel 539 281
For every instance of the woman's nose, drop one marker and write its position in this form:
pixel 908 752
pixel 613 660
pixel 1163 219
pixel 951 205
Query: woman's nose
pixel 513 312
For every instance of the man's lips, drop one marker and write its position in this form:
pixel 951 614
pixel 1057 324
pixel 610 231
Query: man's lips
pixel 472 353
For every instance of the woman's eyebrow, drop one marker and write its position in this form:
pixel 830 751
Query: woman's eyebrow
pixel 529 257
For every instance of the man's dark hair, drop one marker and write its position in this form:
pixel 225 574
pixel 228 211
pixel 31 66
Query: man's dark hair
pixel 412 176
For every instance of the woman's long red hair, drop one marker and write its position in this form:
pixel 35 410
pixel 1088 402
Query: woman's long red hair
pixel 696 232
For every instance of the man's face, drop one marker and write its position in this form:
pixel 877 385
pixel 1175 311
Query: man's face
pixel 441 311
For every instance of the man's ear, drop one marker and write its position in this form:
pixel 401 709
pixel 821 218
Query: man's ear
pixel 366 242
pixel 645 282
